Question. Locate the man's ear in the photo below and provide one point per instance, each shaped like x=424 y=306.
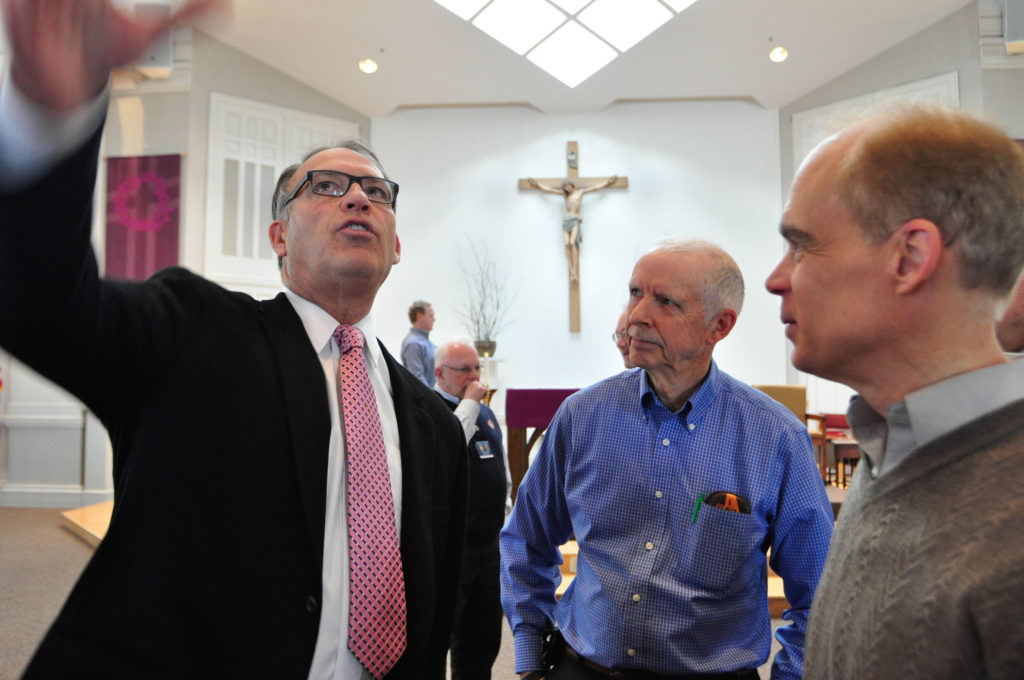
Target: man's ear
x=722 y=325
x=398 y=250
x=918 y=248
x=277 y=233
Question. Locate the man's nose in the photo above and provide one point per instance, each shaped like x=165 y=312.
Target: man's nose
x=638 y=313
x=355 y=198
x=777 y=282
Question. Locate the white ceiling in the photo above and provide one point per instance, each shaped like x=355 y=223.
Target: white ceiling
x=430 y=57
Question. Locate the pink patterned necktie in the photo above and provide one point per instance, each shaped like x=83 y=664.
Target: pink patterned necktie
x=376 y=618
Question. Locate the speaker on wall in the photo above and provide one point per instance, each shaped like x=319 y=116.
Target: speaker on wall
x=157 y=60
x=1013 y=26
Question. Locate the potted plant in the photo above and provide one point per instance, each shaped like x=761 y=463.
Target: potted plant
x=487 y=301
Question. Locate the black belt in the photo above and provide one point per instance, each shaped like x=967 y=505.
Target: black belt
x=629 y=674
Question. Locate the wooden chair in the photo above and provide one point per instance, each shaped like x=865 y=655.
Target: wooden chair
x=842 y=448
x=794 y=397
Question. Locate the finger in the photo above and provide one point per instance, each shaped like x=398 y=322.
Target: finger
x=194 y=9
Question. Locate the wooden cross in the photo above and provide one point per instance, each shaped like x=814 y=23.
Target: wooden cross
x=572 y=187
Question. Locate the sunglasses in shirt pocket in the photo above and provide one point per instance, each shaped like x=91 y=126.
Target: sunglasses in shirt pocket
x=724 y=500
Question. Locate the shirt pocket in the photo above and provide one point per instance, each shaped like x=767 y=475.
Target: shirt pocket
x=727 y=557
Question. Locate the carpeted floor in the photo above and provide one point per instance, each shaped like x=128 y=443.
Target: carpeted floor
x=39 y=563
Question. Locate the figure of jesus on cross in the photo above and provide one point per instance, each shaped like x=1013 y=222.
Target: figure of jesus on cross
x=572 y=220
x=572 y=188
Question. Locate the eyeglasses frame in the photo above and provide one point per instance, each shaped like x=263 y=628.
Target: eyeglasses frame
x=352 y=179
x=463 y=369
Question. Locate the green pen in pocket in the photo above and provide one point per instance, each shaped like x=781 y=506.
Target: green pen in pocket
x=696 y=508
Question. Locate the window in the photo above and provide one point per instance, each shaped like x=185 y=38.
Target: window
x=250 y=144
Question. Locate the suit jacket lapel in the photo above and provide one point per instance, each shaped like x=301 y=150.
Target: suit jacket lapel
x=417 y=437
x=306 y=411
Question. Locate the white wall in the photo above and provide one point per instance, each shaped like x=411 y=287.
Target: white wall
x=700 y=169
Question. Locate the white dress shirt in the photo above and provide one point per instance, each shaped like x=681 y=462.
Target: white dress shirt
x=332 y=659
x=33 y=139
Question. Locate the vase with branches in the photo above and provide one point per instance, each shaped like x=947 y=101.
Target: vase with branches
x=485 y=307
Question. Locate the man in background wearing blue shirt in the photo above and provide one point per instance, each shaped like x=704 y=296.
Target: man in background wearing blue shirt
x=417 y=349
x=675 y=480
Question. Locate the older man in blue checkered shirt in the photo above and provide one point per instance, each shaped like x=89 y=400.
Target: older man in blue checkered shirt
x=675 y=479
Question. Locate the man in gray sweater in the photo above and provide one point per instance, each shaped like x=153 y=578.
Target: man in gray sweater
x=905 y=235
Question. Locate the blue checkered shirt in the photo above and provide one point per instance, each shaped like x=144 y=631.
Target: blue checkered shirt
x=664 y=584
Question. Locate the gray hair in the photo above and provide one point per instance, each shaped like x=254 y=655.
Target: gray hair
x=948 y=167
x=278 y=210
x=723 y=287
x=442 y=351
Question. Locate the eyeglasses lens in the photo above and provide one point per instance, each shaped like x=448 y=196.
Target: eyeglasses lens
x=332 y=183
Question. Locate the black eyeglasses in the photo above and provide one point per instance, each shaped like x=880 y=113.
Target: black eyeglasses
x=336 y=183
x=462 y=369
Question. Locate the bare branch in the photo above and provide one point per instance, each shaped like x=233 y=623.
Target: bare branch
x=485 y=309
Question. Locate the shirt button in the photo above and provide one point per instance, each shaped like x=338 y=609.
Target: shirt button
x=691 y=426
x=658 y=494
x=631 y=652
x=636 y=597
x=311 y=604
x=664 y=442
x=649 y=545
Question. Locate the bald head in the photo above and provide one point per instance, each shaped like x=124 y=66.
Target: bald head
x=945 y=166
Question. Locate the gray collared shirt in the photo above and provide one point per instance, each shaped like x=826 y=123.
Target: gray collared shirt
x=929 y=413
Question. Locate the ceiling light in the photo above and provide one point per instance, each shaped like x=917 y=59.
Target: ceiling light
x=554 y=34
x=367 y=66
x=571 y=6
x=464 y=9
x=519 y=24
x=778 y=54
x=572 y=54
x=624 y=23
x=677 y=5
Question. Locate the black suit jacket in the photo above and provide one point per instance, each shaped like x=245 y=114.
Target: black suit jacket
x=217 y=410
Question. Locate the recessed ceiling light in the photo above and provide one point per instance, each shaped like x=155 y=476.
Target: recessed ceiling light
x=778 y=54
x=624 y=23
x=367 y=66
x=572 y=54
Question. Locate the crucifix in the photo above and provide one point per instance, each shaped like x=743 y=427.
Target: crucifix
x=572 y=187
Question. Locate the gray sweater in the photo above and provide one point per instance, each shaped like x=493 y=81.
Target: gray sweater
x=925 y=574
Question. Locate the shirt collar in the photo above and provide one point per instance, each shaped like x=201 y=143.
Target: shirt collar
x=450 y=397
x=699 y=402
x=419 y=331
x=320 y=327
x=931 y=412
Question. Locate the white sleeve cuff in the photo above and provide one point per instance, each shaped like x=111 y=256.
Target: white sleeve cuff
x=33 y=139
x=467 y=412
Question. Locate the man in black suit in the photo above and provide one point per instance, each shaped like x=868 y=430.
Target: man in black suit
x=476 y=637
x=227 y=552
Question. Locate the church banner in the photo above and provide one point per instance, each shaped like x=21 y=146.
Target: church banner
x=143 y=194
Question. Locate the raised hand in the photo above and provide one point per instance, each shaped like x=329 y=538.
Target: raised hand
x=476 y=391
x=62 y=51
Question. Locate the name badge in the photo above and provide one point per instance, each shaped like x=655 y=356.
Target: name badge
x=483 y=449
